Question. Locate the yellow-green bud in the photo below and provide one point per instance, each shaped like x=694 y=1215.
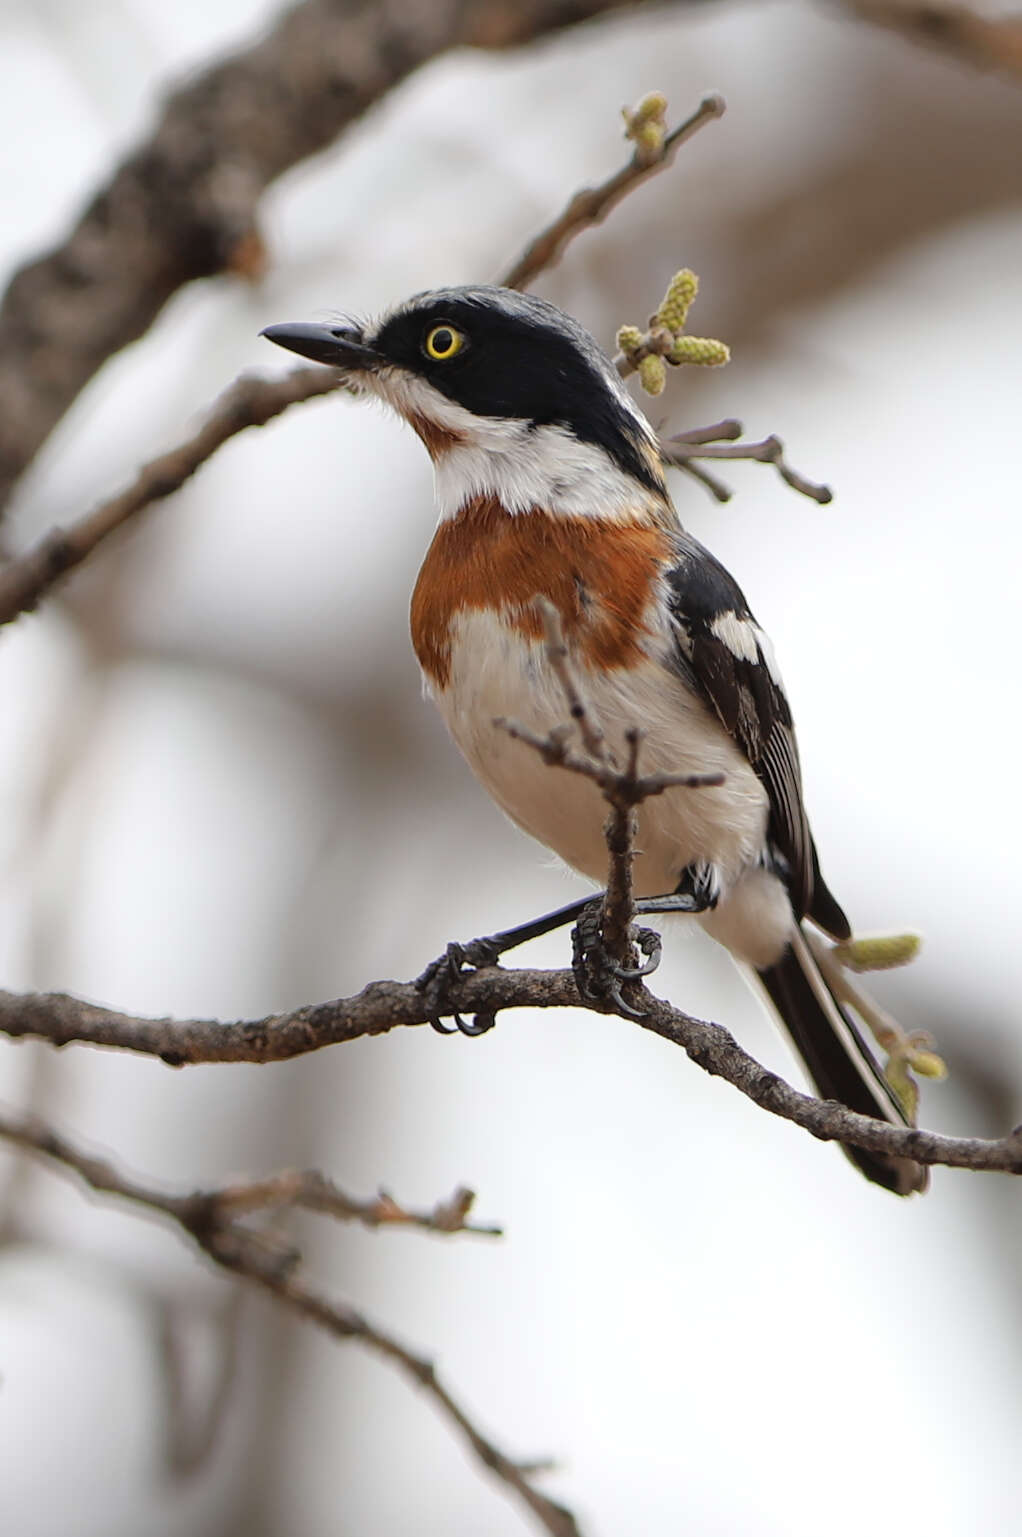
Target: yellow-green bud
x=699 y=349
x=649 y=138
x=646 y=125
x=882 y=952
x=927 y=1064
x=652 y=105
x=677 y=301
x=629 y=339
x=652 y=374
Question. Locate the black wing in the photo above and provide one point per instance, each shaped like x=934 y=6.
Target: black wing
x=728 y=659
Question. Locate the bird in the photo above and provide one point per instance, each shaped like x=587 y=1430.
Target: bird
x=550 y=484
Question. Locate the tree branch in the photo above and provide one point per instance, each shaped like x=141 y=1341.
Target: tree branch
x=985 y=42
x=249 y=402
x=211 y=1220
x=184 y=204
x=384 y=1006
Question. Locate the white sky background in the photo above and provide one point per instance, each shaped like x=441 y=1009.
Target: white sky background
x=222 y=794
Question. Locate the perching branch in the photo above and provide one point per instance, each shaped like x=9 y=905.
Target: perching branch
x=212 y=1220
x=384 y=1006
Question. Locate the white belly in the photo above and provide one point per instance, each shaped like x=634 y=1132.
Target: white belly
x=497 y=672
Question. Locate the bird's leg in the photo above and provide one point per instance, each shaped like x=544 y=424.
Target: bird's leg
x=597 y=974
x=694 y=894
x=486 y=951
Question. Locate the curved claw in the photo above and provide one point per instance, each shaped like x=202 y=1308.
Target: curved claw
x=598 y=977
x=613 y=992
x=479 y=1026
x=437 y=1024
x=651 y=946
x=449 y=968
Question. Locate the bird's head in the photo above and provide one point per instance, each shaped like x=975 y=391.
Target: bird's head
x=512 y=398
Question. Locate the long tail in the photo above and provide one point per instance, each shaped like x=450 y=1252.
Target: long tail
x=838 y=1060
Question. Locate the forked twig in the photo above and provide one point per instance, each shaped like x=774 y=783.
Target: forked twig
x=212 y=1220
x=684 y=450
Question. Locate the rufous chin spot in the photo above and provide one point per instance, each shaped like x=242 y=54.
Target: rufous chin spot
x=438 y=440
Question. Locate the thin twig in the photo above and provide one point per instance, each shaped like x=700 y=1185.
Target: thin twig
x=250 y=401
x=579 y=708
x=716 y=432
x=623 y=790
x=618 y=901
x=554 y=750
x=211 y=1220
x=313 y=1191
x=681 y=449
x=717 y=489
x=591 y=205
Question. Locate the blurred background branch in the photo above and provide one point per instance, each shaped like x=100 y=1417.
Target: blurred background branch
x=212 y=1220
x=963 y=31
x=248 y=402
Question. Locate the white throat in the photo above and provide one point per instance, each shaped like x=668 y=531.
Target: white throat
x=520 y=465
x=523 y=467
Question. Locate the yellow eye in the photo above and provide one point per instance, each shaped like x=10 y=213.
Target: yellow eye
x=443 y=342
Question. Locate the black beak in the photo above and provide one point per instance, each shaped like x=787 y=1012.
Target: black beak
x=339 y=346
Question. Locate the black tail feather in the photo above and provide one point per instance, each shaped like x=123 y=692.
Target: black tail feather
x=837 y=1059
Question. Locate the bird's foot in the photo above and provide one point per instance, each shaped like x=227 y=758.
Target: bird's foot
x=598 y=976
x=456 y=961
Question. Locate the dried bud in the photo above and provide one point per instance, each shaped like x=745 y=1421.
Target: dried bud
x=699 y=349
x=652 y=374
